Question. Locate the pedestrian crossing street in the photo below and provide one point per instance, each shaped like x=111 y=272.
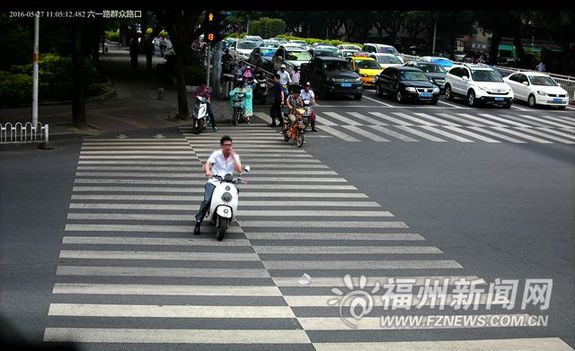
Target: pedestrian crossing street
x=131 y=275
x=440 y=127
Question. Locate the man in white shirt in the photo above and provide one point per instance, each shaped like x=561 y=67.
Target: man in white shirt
x=285 y=79
x=220 y=162
x=307 y=94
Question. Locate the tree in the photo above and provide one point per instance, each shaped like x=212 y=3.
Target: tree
x=183 y=30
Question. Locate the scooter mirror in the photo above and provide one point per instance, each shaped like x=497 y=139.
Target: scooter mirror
x=247 y=168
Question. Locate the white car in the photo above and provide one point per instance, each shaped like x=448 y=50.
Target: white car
x=478 y=84
x=349 y=47
x=290 y=56
x=537 y=89
x=241 y=50
x=381 y=49
x=386 y=60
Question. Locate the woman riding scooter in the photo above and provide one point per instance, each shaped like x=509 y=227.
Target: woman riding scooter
x=242 y=88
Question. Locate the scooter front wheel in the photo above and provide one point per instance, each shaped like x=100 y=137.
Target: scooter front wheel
x=300 y=140
x=222 y=228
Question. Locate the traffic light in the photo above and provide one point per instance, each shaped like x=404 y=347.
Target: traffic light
x=213 y=26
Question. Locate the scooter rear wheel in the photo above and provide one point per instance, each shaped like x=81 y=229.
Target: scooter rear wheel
x=300 y=140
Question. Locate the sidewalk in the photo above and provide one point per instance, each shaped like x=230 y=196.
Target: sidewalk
x=135 y=106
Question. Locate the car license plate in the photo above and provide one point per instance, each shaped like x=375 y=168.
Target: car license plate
x=556 y=101
x=499 y=99
x=346 y=85
x=425 y=95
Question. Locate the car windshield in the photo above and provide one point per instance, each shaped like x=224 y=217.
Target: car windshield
x=337 y=66
x=368 y=64
x=388 y=59
x=297 y=56
x=247 y=45
x=385 y=50
x=484 y=75
x=431 y=68
x=324 y=53
x=412 y=76
x=542 y=80
x=268 y=52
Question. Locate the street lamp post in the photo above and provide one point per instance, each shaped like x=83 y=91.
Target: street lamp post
x=35 y=71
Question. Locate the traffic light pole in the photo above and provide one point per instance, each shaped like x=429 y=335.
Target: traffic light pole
x=217 y=68
x=208 y=65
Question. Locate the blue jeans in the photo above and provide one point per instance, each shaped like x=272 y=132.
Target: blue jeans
x=205 y=205
x=211 y=115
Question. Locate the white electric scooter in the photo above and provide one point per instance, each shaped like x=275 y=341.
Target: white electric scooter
x=224 y=204
x=199 y=114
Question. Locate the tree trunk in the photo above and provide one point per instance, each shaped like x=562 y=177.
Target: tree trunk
x=494 y=49
x=183 y=111
x=78 y=97
x=520 y=52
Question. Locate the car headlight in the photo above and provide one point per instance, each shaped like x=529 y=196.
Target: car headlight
x=435 y=90
x=411 y=89
x=358 y=79
x=227 y=197
x=539 y=92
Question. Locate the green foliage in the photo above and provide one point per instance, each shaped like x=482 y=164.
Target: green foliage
x=112 y=35
x=15 y=41
x=316 y=40
x=55 y=81
x=267 y=27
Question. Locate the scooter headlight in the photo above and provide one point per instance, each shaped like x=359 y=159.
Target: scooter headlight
x=227 y=197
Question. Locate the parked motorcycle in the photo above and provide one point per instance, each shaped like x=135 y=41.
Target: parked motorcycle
x=238 y=107
x=293 y=127
x=224 y=205
x=199 y=114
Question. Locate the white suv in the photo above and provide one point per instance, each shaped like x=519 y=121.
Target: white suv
x=479 y=84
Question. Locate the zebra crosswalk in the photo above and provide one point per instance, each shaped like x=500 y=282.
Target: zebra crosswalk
x=132 y=276
x=441 y=127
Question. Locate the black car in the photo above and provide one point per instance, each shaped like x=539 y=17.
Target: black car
x=406 y=83
x=332 y=76
x=321 y=52
x=433 y=71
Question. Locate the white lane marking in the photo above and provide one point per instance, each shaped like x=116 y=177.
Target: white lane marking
x=415 y=119
x=464 y=121
x=136 y=168
x=392 y=119
x=514 y=106
x=343 y=119
x=393 y=134
x=437 y=120
x=199 y=181
x=553 y=131
x=521 y=135
x=138 y=147
x=449 y=104
x=365 y=133
x=264 y=116
x=138 y=197
x=339 y=281
x=191 y=190
x=157 y=255
x=324 y=121
x=338 y=134
x=174 y=272
x=378 y=101
x=178 y=336
x=335 y=236
x=128 y=240
x=482 y=121
x=536 y=123
x=164 y=290
x=364 y=264
x=503 y=120
x=137 y=152
x=324 y=224
x=566 y=123
x=366 y=119
x=497 y=135
x=136 y=228
x=421 y=134
x=168 y=311
x=543 y=122
x=471 y=134
x=524 y=344
x=352 y=250
x=316 y=213
x=446 y=134
x=138 y=157
x=546 y=135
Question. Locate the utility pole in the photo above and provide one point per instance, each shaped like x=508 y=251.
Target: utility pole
x=208 y=68
x=217 y=68
x=35 y=57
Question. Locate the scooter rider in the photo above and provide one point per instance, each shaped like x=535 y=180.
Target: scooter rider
x=285 y=78
x=294 y=101
x=308 y=94
x=220 y=162
x=204 y=92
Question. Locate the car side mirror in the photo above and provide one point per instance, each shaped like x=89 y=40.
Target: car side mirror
x=465 y=78
x=247 y=168
x=525 y=83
